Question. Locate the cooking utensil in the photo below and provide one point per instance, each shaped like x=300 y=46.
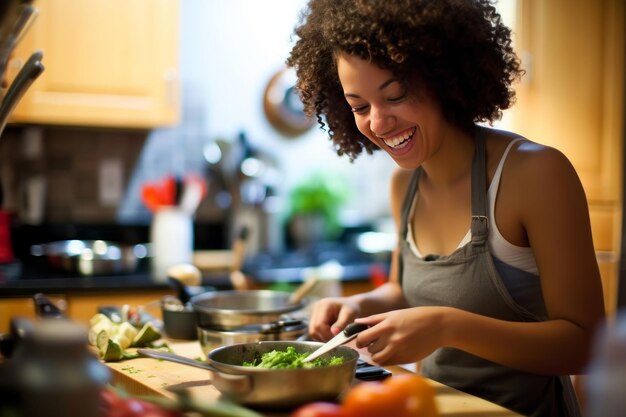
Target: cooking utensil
x=26 y=14
x=193 y=191
x=237 y=278
x=288 y=329
x=183 y=277
x=304 y=289
x=46 y=308
x=276 y=388
x=227 y=310
x=23 y=80
x=340 y=338
x=90 y=257
x=179 y=322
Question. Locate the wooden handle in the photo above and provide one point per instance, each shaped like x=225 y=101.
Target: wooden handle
x=303 y=290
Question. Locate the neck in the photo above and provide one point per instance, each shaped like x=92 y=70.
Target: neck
x=452 y=163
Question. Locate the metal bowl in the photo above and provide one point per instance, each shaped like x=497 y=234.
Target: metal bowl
x=228 y=310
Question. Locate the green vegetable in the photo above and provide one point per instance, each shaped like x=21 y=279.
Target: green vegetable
x=289 y=358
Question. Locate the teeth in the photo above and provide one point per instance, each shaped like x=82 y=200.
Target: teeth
x=399 y=140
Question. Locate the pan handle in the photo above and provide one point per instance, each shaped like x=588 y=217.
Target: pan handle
x=172 y=357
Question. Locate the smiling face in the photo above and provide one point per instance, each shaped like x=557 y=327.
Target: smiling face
x=406 y=125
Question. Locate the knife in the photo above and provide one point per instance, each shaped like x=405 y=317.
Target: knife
x=340 y=338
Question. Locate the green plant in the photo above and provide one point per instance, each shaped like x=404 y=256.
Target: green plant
x=321 y=195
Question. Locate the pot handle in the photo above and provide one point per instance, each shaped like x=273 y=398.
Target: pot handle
x=172 y=357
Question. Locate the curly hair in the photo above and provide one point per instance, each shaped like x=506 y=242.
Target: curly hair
x=459 y=49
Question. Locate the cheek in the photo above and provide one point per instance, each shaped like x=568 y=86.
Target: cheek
x=364 y=128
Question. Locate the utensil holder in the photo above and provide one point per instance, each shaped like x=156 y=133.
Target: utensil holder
x=171 y=237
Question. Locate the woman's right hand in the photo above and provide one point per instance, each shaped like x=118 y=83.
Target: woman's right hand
x=331 y=315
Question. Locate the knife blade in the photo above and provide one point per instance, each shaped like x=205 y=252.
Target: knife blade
x=347 y=334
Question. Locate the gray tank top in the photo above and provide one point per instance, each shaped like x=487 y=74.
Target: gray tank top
x=468 y=279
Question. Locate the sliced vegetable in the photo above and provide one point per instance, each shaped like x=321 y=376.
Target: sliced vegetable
x=102 y=340
x=113 y=338
x=114 y=352
x=148 y=334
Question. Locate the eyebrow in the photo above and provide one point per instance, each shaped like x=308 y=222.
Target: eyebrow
x=380 y=88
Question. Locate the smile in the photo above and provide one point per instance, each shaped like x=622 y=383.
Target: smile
x=400 y=140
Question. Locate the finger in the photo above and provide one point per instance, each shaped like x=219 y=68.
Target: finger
x=372 y=320
x=345 y=317
x=319 y=323
x=382 y=357
x=369 y=336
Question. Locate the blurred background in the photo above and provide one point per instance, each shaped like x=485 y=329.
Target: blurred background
x=140 y=93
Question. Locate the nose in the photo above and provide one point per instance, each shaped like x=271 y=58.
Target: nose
x=381 y=121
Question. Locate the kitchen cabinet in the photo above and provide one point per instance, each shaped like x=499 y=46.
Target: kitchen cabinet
x=82 y=306
x=572 y=98
x=110 y=63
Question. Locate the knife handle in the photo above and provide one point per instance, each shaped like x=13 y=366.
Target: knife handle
x=354 y=328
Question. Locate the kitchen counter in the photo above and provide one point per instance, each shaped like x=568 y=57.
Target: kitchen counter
x=145 y=376
x=33 y=276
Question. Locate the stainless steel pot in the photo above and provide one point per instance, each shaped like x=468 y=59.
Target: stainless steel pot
x=227 y=310
x=91 y=257
x=210 y=339
x=272 y=388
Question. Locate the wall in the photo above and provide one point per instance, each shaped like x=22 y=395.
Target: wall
x=228 y=52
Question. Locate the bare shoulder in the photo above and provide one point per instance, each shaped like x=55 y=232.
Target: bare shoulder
x=538 y=176
x=533 y=163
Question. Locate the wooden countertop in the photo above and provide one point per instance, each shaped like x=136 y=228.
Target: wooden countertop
x=146 y=376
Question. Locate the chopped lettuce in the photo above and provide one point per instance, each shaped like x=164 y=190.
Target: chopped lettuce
x=289 y=358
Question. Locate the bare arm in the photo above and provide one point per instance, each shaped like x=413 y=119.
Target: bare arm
x=330 y=315
x=553 y=211
x=547 y=203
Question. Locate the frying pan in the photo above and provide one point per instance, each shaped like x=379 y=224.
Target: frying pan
x=271 y=388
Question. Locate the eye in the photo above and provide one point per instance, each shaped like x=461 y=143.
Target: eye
x=397 y=99
x=359 y=109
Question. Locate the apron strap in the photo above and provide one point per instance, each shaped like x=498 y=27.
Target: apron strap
x=480 y=222
x=406 y=208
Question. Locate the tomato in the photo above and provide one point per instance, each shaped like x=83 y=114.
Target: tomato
x=318 y=409
x=398 y=396
x=419 y=394
x=116 y=406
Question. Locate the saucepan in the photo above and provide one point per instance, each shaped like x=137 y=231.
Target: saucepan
x=228 y=310
x=271 y=388
x=287 y=329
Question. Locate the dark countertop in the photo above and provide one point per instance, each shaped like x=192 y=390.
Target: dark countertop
x=30 y=275
x=27 y=278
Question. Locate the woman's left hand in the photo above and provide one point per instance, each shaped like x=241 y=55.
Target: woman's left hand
x=420 y=328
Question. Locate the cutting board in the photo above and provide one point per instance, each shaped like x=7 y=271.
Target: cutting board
x=146 y=376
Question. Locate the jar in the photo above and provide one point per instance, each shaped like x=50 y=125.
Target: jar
x=52 y=373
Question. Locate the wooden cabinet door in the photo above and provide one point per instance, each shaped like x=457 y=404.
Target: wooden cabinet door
x=572 y=98
x=107 y=63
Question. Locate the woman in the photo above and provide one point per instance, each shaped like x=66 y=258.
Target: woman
x=494 y=286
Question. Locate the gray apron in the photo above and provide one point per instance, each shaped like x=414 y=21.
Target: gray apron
x=467 y=279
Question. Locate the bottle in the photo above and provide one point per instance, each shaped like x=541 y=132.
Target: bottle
x=52 y=373
x=606 y=379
